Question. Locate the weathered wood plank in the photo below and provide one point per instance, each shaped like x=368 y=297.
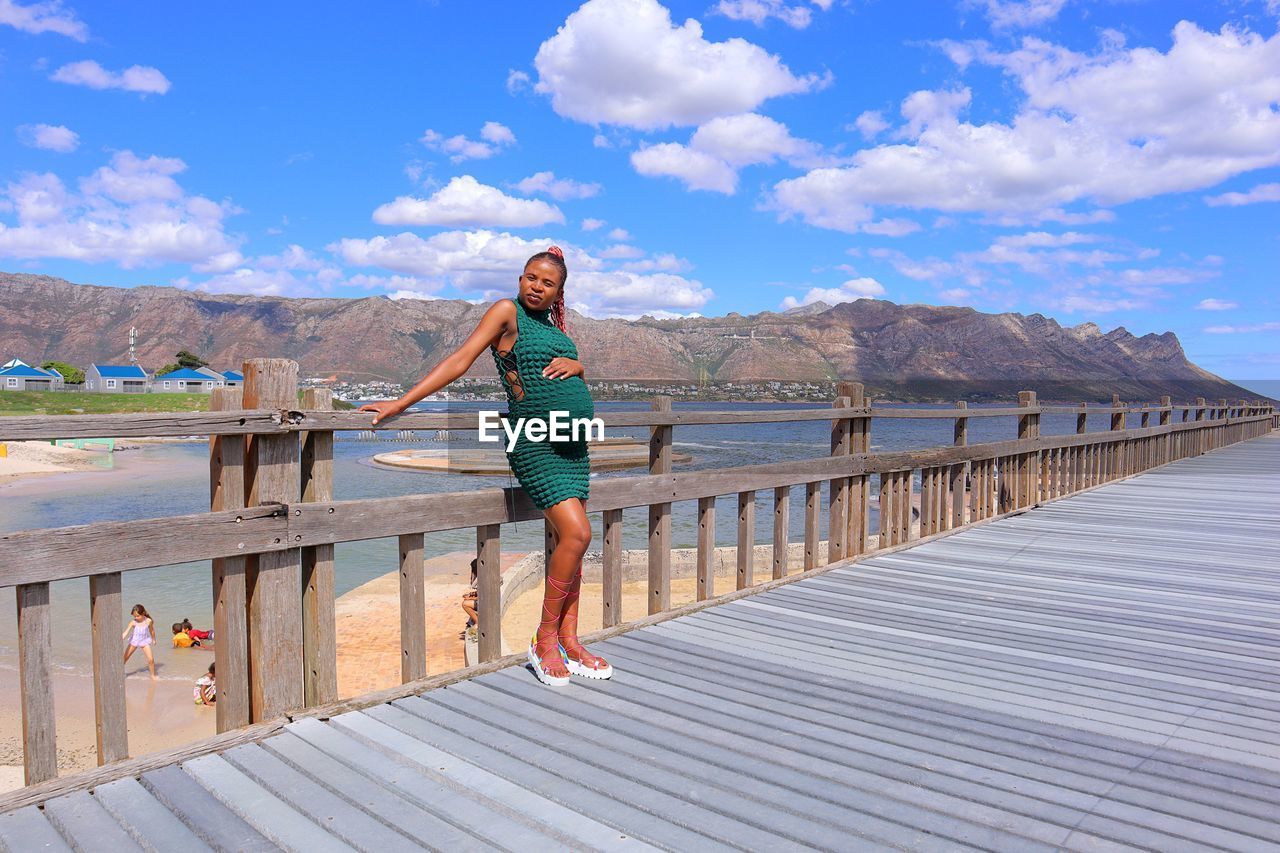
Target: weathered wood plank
x=812 y=508
x=413 y=608
x=35 y=681
x=781 y=511
x=838 y=487
x=230 y=581
x=110 y=727
x=859 y=485
x=706 y=548
x=273 y=585
x=46 y=427
x=746 y=550
x=39 y=556
x=611 y=560
x=319 y=628
x=660 y=514
x=489 y=591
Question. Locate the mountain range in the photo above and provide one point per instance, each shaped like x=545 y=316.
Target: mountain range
x=906 y=352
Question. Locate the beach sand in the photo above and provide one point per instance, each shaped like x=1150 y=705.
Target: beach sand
x=161 y=716
x=368 y=624
x=34 y=458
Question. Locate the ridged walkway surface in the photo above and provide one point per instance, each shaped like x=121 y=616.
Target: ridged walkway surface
x=1100 y=673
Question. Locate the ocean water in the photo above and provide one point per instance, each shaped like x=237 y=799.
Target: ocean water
x=172 y=479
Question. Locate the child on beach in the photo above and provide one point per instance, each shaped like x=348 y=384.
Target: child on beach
x=206 y=689
x=196 y=633
x=469 y=602
x=144 y=637
x=181 y=639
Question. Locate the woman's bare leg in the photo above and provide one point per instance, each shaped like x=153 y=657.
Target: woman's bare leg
x=573 y=522
x=572 y=540
x=129 y=652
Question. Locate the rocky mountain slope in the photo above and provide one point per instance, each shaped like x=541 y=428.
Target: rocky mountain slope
x=916 y=352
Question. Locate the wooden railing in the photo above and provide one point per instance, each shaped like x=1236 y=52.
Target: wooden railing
x=273 y=523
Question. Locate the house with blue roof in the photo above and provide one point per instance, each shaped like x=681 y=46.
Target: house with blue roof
x=117 y=379
x=185 y=379
x=17 y=375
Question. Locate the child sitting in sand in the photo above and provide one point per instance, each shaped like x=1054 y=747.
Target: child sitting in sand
x=206 y=689
x=181 y=639
x=469 y=602
x=196 y=633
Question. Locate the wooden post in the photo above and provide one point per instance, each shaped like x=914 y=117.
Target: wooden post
x=489 y=592
x=230 y=610
x=274 y=583
x=781 y=511
x=706 y=547
x=746 y=550
x=111 y=728
x=1028 y=461
x=860 y=484
x=812 y=508
x=319 y=629
x=1114 y=455
x=959 y=474
x=413 y=608
x=35 y=678
x=660 y=515
x=611 y=558
x=838 y=488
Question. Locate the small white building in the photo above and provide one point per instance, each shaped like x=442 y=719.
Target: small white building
x=17 y=375
x=188 y=380
x=117 y=379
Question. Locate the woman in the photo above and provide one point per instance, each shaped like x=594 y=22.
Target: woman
x=539 y=368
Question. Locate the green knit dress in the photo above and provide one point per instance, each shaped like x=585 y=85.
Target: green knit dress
x=549 y=471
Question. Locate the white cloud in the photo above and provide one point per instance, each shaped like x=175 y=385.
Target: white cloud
x=870 y=124
x=620 y=235
x=486 y=260
x=44 y=17
x=1217 y=305
x=590 y=224
x=1019 y=14
x=132 y=212
x=757 y=12
x=621 y=251
x=1260 y=193
x=517 y=81
x=891 y=227
x=853 y=289
x=1096 y=304
x=624 y=62
x=722 y=146
x=957 y=295
x=465 y=201
x=136 y=78
x=1121 y=125
x=1244 y=330
x=558 y=188
x=49 y=137
x=493 y=138
x=698 y=170
x=601 y=141
x=412 y=294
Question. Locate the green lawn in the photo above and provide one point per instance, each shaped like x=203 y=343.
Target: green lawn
x=90 y=403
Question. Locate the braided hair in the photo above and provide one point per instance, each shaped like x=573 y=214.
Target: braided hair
x=556 y=257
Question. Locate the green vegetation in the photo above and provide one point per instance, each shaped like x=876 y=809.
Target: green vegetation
x=90 y=403
x=71 y=374
x=184 y=358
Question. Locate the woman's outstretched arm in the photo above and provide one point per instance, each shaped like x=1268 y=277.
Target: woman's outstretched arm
x=500 y=317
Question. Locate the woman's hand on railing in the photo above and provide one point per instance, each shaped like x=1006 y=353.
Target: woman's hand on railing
x=383 y=410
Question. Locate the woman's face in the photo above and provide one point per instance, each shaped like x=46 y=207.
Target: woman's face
x=540 y=284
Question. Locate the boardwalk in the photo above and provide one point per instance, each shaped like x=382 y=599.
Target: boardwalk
x=1099 y=673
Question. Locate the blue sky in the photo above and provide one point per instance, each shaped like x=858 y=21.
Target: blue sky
x=1109 y=162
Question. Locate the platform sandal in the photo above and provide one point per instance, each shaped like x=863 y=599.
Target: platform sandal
x=549 y=626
